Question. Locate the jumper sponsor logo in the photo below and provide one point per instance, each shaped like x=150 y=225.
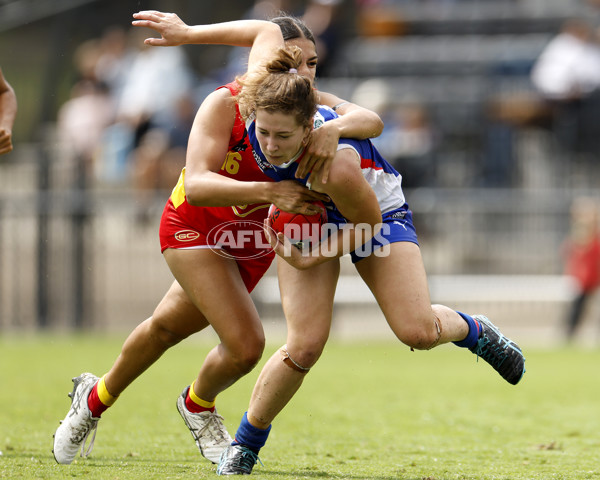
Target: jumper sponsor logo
x=262 y=164
x=186 y=235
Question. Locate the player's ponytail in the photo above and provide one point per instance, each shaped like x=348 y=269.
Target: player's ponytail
x=285 y=59
x=279 y=88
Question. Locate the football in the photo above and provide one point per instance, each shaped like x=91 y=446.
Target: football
x=301 y=229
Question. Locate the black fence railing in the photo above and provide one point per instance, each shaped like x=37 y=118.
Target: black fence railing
x=73 y=256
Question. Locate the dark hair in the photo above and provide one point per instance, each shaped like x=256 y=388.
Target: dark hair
x=276 y=89
x=292 y=27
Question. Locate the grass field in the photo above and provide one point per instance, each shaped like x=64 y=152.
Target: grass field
x=372 y=411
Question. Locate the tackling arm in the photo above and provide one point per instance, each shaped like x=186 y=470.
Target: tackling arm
x=207 y=150
x=354 y=122
x=356 y=201
x=262 y=35
x=174 y=31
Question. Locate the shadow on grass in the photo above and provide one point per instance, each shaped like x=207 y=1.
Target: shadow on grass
x=175 y=466
x=320 y=474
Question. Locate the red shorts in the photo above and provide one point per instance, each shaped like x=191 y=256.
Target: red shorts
x=218 y=229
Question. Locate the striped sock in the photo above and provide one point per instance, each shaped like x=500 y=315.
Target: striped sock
x=195 y=404
x=99 y=399
x=474 y=328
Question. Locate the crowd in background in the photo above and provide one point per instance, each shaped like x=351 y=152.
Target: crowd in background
x=132 y=105
x=130 y=111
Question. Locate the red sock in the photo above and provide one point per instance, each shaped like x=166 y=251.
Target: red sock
x=94 y=403
x=194 y=407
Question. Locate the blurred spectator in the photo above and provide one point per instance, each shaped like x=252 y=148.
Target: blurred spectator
x=380 y=18
x=113 y=60
x=569 y=66
x=155 y=78
x=582 y=259
x=130 y=113
x=322 y=17
x=8 y=112
x=506 y=114
x=90 y=109
x=266 y=9
x=567 y=75
x=85 y=59
x=146 y=98
x=566 y=78
x=82 y=119
x=237 y=57
x=407 y=140
x=157 y=161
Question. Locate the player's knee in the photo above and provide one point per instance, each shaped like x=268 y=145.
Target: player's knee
x=248 y=354
x=420 y=335
x=306 y=353
x=248 y=360
x=163 y=334
x=418 y=341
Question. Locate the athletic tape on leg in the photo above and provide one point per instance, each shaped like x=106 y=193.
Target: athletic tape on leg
x=289 y=361
x=438 y=325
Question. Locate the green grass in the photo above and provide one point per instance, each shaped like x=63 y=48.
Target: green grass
x=367 y=411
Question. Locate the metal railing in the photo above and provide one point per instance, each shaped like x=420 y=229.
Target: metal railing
x=78 y=257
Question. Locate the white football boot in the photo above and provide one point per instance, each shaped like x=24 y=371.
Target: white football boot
x=76 y=427
x=207 y=428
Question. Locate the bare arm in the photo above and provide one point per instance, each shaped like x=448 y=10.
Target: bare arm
x=209 y=137
x=207 y=151
x=175 y=31
x=357 y=202
x=354 y=122
x=241 y=33
x=8 y=113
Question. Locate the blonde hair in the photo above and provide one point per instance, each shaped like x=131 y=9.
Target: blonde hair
x=279 y=88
